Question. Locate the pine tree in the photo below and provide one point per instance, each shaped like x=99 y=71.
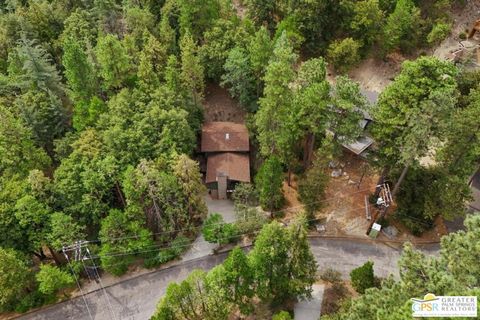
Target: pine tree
x=238 y=280
x=268 y=181
x=113 y=60
x=35 y=68
x=268 y=260
x=276 y=134
x=78 y=71
x=153 y=58
x=413 y=112
x=188 y=174
x=44 y=113
x=191 y=76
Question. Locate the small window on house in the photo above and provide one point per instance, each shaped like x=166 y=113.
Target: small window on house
x=227 y=136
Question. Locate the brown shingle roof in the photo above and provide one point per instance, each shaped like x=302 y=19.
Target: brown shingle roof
x=235 y=165
x=224 y=136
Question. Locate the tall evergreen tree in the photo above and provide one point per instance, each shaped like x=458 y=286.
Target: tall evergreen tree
x=78 y=71
x=45 y=115
x=274 y=136
x=268 y=182
x=192 y=74
x=113 y=60
x=153 y=58
x=413 y=112
x=31 y=67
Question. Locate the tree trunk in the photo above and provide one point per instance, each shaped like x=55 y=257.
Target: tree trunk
x=308 y=150
x=384 y=210
x=54 y=256
x=120 y=194
x=361 y=178
x=289 y=179
x=40 y=254
x=399 y=181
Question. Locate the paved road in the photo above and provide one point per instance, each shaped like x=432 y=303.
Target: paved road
x=136 y=298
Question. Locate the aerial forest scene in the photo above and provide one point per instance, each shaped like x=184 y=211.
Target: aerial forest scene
x=239 y=159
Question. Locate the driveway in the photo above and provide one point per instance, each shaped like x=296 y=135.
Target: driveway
x=224 y=207
x=311 y=309
x=200 y=247
x=137 y=298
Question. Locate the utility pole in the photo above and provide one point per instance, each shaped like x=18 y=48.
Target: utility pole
x=64 y=250
x=81 y=253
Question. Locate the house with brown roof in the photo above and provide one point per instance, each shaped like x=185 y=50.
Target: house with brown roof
x=226 y=146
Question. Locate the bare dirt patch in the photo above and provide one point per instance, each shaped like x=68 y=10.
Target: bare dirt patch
x=240 y=7
x=219 y=106
x=343 y=212
x=374 y=74
x=335 y=294
x=344 y=204
x=463 y=20
x=344 y=209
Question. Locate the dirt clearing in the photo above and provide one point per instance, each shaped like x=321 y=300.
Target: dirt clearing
x=219 y=106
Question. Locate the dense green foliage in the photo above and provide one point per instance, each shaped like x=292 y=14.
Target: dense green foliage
x=344 y=54
x=282 y=315
x=362 y=277
x=51 y=279
x=279 y=267
x=418 y=117
x=101 y=106
x=215 y=230
x=14 y=278
x=311 y=187
x=269 y=182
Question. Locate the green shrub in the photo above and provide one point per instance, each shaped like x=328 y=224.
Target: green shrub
x=439 y=32
x=463 y=35
x=215 y=230
x=282 y=315
x=33 y=300
x=344 y=54
x=175 y=249
x=249 y=219
x=362 y=277
x=164 y=256
x=245 y=195
x=179 y=245
x=51 y=279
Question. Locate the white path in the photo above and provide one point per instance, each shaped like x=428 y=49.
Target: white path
x=200 y=247
x=310 y=309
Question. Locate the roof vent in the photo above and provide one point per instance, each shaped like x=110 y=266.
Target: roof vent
x=227 y=136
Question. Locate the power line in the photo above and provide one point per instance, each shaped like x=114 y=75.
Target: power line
x=78 y=284
x=101 y=286
x=199 y=227
x=160 y=247
x=79 y=255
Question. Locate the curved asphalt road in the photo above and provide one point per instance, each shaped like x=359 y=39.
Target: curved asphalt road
x=136 y=298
